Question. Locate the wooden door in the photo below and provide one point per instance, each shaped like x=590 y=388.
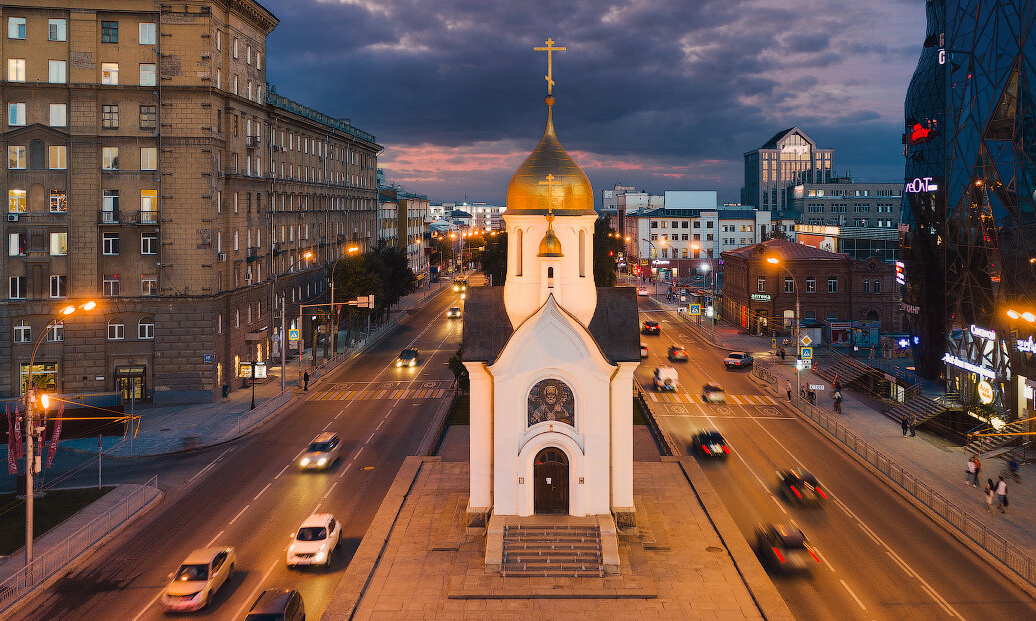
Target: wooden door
x=551 y=481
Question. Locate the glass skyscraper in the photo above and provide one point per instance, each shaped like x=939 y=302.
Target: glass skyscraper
x=969 y=226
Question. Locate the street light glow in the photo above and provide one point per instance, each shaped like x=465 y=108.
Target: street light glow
x=68 y=310
x=1028 y=316
x=307 y=255
x=773 y=260
x=89 y=305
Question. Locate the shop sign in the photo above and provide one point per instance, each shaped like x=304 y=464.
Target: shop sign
x=985 y=392
x=760 y=297
x=909 y=308
x=1028 y=346
x=919 y=133
x=983 y=333
x=967 y=366
x=920 y=185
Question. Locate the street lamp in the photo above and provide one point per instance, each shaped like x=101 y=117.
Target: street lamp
x=334 y=266
x=662 y=242
x=715 y=276
x=30 y=421
x=798 y=343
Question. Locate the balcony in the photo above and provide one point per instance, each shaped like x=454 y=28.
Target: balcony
x=105 y=216
x=144 y=218
x=253 y=254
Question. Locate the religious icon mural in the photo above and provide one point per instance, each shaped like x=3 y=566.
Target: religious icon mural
x=552 y=400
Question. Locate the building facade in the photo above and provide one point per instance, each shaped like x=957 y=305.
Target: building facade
x=151 y=168
x=789 y=158
x=969 y=218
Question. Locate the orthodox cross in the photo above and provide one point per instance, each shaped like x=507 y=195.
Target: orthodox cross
x=549 y=49
x=550 y=191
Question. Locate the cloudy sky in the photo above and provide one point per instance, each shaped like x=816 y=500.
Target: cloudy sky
x=661 y=94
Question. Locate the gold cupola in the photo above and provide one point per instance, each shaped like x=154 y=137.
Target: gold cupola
x=570 y=194
x=550 y=245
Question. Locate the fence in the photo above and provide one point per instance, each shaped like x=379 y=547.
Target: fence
x=1007 y=553
x=59 y=556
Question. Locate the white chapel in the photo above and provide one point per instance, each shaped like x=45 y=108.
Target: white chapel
x=551 y=357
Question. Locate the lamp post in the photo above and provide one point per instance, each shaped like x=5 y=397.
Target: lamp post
x=798 y=343
x=302 y=336
x=30 y=422
x=662 y=242
x=334 y=266
x=715 y=276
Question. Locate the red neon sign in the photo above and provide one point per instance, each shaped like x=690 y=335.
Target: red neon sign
x=918 y=133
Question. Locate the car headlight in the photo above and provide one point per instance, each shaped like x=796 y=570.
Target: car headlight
x=304 y=461
x=320 y=556
x=413 y=362
x=399 y=363
x=291 y=548
x=321 y=461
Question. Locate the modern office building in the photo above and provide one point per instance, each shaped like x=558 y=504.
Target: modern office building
x=788 y=159
x=151 y=169
x=968 y=209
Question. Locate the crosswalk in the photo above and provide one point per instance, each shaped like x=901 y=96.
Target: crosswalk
x=683 y=397
x=366 y=391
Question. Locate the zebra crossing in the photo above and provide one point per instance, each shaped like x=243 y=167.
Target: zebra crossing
x=683 y=397
x=367 y=391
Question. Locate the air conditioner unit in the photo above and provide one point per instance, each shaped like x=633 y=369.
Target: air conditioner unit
x=221 y=256
x=12 y=217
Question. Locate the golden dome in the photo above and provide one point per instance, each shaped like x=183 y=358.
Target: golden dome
x=570 y=193
x=550 y=245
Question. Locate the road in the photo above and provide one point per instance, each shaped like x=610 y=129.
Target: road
x=250 y=495
x=881 y=558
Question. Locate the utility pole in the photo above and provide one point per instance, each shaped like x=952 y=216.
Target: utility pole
x=284 y=347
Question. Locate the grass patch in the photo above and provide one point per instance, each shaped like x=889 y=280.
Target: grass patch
x=48 y=511
x=638 y=414
x=460 y=413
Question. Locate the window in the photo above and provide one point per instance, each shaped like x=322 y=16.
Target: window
x=877 y=286
x=16 y=69
x=110 y=243
x=149 y=243
x=58 y=115
x=235 y=47
x=58 y=201
x=16 y=201
x=258 y=60
x=866 y=286
x=16 y=244
x=110 y=117
x=110 y=158
x=16 y=114
x=16 y=287
x=148 y=284
x=248 y=55
x=811 y=284
x=147 y=34
x=116 y=330
x=789 y=284
x=110 y=73
x=58 y=244
x=146 y=329
x=16 y=157
x=111 y=286
x=810 y=315
x=234 y=87
x=15 y=27
x=23 y=332
x=148 y=117
x=832 y=285
x=149 y=158
x=110 y=205
x=760 y=284
x=219 y=40
x=58 y=157
x=147 y=74
x=109 y=32
x=831 y=314
x=56 y=333
x=57 y=286
x=56 y=30
x=57 y=72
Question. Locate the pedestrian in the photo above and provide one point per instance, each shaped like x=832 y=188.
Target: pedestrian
x=1001 y=494
x=838 y=401
x=990 y=489
x=978 y=470
x=906 y=424
x=1012 y=468
x=788 y=382
x=913 y=424
x=783 y=354
x=305 y=381
x=969 y=471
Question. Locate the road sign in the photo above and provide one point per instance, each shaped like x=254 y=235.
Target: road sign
x=806 y=340
x=807 y=353
x=293 y=334
x=694 y=309
x=773 y=342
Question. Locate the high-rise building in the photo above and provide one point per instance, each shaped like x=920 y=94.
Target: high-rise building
x=788 y=159
x=151 y=168
x=969 y=232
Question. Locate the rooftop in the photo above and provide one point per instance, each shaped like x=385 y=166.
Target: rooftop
x=342 y=125
x=784 y=250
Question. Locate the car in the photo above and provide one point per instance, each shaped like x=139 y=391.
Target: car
x=800 y=486
x=642 y=291
x=665 y=379
x=277 y=605
x=738 y=359
x=199 y=577
x=713 y=393
x=710 y=443
x=677 y=354
x=322 y=452
x=650 y=327
x=454 y=312
x=784 y=548
x=315 y=540
x=460 y=285
x=643 y=351
x=409 y=357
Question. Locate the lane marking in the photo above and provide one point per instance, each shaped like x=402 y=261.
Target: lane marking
x=369 y=438
x=380 y=424
x=823 y=558
x=148 y=605
x=330 y=489
x=854 y=595
x=282 y=471
x=208 y=467
x=213 y=540
x=240 y=513
x=251 y=596
x=256 y=497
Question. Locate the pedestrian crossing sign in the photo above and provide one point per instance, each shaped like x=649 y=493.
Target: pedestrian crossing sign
x=293 y=334
x=807 y=353
x=694 y=309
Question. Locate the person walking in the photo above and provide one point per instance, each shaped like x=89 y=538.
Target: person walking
x=905 y=422
x=913 y=424
x=1001 y=495
x=838 y=401
x=978 y=471
x=788 y=382
x=990 y=489
x=969 y=471
x=305 y=381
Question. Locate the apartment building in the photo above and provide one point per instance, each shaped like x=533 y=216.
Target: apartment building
x=152 y=169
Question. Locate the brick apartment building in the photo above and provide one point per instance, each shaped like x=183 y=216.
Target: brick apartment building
x=758 y=295
x=152 y=169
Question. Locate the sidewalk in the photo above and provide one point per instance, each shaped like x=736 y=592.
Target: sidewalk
x=933 y=460
x=169 y=428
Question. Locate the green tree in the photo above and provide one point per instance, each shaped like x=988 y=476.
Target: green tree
x=460 y=372
x=493 y=260
x=774 y=232
x=607 y=246
x=396 y=277
x=356 y=276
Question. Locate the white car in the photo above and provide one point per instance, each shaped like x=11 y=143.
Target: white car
x=315 y=540
x=454 y=312
x=665 y=379
x=322 y=452
x=642 y=290
x=200 y=575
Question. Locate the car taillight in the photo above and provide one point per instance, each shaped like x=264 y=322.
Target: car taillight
x=796 y=491
x=706 y=449
x=726 y=449
x=821 y=492
x=813 y=554
x=780 y=557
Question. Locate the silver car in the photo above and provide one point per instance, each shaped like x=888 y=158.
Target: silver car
x=322 y=452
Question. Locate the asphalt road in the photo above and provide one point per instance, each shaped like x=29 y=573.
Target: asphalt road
x=249 y=493
x=881 y=558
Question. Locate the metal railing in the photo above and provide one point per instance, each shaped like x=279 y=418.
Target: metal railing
x=59 y=556
x=963 y=522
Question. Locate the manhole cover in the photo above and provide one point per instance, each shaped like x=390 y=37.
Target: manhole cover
x=714 y=549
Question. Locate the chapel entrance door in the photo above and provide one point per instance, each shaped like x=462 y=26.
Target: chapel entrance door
x=550 y=471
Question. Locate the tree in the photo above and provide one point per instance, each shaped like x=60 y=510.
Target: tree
x=607 y=246
x=493 y=259
x=356 y=276
x=395 y=275
x=776 y=232
x=460 y=372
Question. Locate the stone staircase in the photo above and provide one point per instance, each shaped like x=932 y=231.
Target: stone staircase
x=922 y=408
x=992 y=443
x=552 y=551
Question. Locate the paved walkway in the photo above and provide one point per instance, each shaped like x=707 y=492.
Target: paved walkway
x=932 y=459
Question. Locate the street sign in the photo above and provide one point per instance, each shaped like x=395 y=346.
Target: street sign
x=694 y=309
x=293 y=334
x=806 y=340
x=773 y=342
x=807 y=353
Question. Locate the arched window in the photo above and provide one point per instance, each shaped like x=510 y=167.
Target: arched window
x=146 y=329
x=518 y=250
x=582 y=254
x=116 y=329
x=550 y=276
